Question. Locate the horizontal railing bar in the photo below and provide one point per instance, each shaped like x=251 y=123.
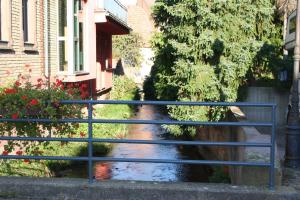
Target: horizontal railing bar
x=117 y=121
x=172 y=122
x=126 y=141
x=174 y=103
x=45 y=139
x=199 y=162
x=62 y=158
x=171 y=142
x=140 y=160
x=45 y=120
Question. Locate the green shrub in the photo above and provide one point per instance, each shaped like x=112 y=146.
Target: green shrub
x=124 y=88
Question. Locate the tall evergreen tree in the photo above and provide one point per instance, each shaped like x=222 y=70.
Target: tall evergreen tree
x=205 y=48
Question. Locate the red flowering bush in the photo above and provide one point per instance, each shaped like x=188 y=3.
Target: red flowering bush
x=27 y=100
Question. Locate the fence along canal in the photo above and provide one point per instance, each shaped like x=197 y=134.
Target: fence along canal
x=90 y=140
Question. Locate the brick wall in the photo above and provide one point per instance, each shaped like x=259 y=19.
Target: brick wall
x=13 y=62
x=292 y=5
x=53 y=29
x=289 y=5
x=140 y=20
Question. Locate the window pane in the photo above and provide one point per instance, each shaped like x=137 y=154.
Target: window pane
x=76 y=8
x=31 y=21
x=62 y=14
x=80 y=46
x=5 y=20
x=63 y=59
x=76 y=52
x=62 y=23
x=292 y=27
x=75 y=27
x=25 y=19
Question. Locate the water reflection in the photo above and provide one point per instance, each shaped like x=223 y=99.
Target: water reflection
x=102 y=171
x=150 y=171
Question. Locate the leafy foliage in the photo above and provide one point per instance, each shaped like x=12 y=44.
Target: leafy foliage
x=206 y=48
x=127 y=47
x=24 y=100
x=124 y=89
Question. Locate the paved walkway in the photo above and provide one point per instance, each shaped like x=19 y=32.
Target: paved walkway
x=50 y=189
x=280 y=140
x=291 y=178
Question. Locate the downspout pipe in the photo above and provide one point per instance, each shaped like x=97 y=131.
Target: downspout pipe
x=47 y=71
x=292 y=158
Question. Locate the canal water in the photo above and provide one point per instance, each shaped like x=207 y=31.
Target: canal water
x=149 y=171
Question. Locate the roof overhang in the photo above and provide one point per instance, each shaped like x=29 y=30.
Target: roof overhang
x=110 y=23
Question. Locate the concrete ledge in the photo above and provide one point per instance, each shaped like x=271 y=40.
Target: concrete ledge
x=43 y=188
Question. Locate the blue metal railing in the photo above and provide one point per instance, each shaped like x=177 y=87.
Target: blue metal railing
x=90 y=140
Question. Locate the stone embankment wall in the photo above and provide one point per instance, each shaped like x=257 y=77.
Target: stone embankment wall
x=239 y=175
x=267 y=95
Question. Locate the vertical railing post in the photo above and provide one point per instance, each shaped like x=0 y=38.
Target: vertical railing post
x=90 y=143
x=273 y=149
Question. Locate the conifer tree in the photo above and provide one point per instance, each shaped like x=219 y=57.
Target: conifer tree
x=205 y=48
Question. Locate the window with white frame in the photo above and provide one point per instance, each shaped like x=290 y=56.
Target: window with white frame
x=5 y=22
x=70 y=36
x=290 y=31
x=29 y=22
x=62 y=35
